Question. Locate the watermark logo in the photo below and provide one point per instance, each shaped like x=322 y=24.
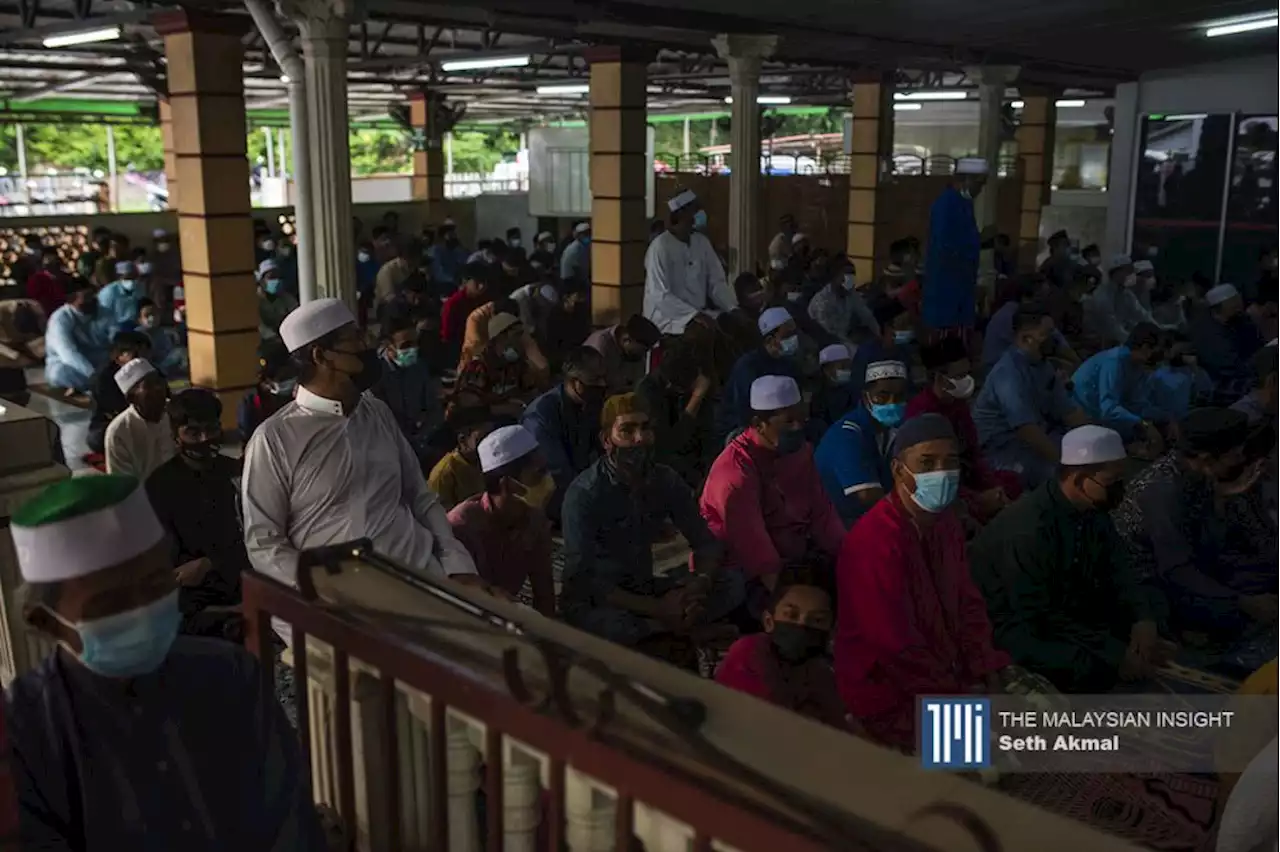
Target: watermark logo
x=955 y=733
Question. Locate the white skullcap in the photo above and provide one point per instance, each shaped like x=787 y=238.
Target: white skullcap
x=1119 y=261
x=682 y=199
x=549 y=293
x=798 y=238
x=312 y=321
x=1144 y=266
x=131 y=373
x=1092 y=445
x=499 y=323
x=772 y=319
x=124 y=267
x=542 y=235
x=581 y=228
x=505 y=445
x=771 y=393
x=266 y=266
x=1220 y=294
x=448 y=223
x=81 y=525
x=972 y=166
x=159 y=234
x=834 y=352
x=885 y=370
x=477 y=255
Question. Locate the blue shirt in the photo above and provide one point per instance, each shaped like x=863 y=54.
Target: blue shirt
x=998 y=336
x=575 y=262
x=446 y=265
x=568 y=435
x=192 y=756
x=119 y=305
x=1019 y=393
x=1175 y=389
x=734 y=411
x=72 y=340
x=1112 y=389
x=366 y=276
x=852 y=457
x=951 y=262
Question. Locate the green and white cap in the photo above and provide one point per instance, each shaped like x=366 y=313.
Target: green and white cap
x=81 y=525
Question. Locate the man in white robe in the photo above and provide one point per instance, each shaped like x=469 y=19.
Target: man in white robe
x=682 y=274
x=332 y=465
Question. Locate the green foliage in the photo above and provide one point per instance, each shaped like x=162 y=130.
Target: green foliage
x=668 y=136
x=373 y=151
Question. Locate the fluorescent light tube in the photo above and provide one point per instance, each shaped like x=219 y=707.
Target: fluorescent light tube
x=565 y=89
x=931 y=96
x=83 y=37
x=491 y=62
x=1242 y=27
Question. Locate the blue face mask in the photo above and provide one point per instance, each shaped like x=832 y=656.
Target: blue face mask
x=129 y=644
x=406 y=357
x=284 y=387
x=904 y=336
x=700 y=220
x=271 y=286
x=889 y=413
x=126 y=284
x=790 y=442
x=585 y=239
x=936 y=489
x=790 y=345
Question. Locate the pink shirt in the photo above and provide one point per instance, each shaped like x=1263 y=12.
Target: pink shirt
x=507 y=551
x=768 y=510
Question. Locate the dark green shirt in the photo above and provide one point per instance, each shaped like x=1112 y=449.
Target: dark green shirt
x=1060 y=591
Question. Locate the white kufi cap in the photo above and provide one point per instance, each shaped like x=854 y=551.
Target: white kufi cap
x=1092 y=445
x=124 y=267
x=505 y=445
x=834 y=352
x=682 y=199
x=1119 y=261
x=771 y=319
x=581 y=228
x=1142 y=266
x=312 y=321
x=131 y=373
x=796 y=239
x=885 y=370
x=267 y=265
x=771 y=393
x=1220 y=294
x=972 y=166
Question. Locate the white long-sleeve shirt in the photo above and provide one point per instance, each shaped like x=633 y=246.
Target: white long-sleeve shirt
x=680 y=278
x=135 y=446
x=1111 y=311
x=314 y=477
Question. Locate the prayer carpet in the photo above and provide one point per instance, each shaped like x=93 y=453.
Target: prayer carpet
x=78 y=400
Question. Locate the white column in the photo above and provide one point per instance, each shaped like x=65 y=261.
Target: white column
x=324 y=25
x=464 y=780
x=744 y=54
x=992 y=80
x=113 y=201
x=271 y=153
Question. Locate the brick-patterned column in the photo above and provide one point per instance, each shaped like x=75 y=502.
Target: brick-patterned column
x=170 y=159
x=619 y=227
x=1035 y=137
x=433 y=118
x=871 y=139
x=206 y=101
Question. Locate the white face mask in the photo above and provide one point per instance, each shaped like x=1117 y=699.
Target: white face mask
x=363 y=256
x=850 y=281
x=961 y=388
x=268 y=245
x=794 y=296
x=1130 y=280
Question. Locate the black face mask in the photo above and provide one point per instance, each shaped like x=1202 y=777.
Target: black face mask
x=201 y=453
x=1115 y=496
x=796 y=643
x=790 y=442
x=634 y=462
x=592 y=396
x=89 y=307
x=370 y=368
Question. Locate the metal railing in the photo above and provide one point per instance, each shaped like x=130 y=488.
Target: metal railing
x=420 y=716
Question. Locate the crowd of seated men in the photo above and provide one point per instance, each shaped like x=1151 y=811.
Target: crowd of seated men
x=866 y=517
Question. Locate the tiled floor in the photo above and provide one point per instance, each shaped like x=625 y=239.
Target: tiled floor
x=73 y=423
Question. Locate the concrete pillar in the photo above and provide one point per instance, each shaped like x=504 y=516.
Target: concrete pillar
x=871 y=137
x=744 y=54
x=1035 y=137
x=324 y=26
x=431 y=116
x=992 y=80
x=215 y=231
x=1122 y=170
x=619 y=226
x=170 y=159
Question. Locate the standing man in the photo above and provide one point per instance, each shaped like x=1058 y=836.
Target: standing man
x=682 y=273
x=575 y=260
x=332 y=465
x=951 y=265
x=129 y=736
